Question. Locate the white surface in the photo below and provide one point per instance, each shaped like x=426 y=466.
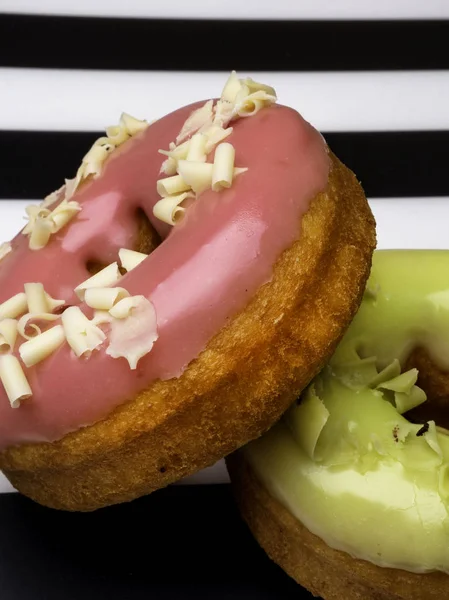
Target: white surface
x=236 y=9
x=49 y=99
x=401 y=223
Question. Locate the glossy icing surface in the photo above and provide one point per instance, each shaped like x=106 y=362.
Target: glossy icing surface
x=205 y=271
x=371 y=483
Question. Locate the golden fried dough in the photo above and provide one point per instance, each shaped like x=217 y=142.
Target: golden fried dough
x=330 y=574
x=243 y=381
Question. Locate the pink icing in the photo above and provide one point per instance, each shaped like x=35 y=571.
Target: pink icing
x=207 y=269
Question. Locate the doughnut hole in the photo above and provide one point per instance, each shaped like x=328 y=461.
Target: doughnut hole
x=435 y=382
x=146 y=240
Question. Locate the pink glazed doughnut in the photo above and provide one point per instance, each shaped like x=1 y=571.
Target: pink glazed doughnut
x=250 y=291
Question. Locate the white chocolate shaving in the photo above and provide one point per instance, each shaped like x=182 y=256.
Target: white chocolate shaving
x=40 y=234
x=14 y=307
x=100 y=317
x=132 y=125
x=104 y=278
x=36 y=299
x=5 y=249
x=130 y=259
x=14 y=381
x=53 y=303
x=27 y=327
x=197 y=174
x=256 y=86
x=196 y=120
x=62 y=214
x=82 y=335
x=169 y=166
x=55 y=196
x=197 y=148
x=177 y=152
x=134 y=329
x=117 y=134
x=94 y=159
x=37 y=349
x=34 y=212
x=104 y=298
x=231 y=88
x=171 y=186
x=216 y=134
x=224 y=112
x=248 y=106
x=223 y=168
x=8 y=335
x=169 y=210
x=42 y=223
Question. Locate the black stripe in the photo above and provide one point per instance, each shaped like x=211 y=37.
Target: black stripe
x=204 y=45
x=32 y=164
x=195 y=546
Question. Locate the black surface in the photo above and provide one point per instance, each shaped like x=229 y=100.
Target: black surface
x=158 y=44
x=179 y=543
x=388 y=164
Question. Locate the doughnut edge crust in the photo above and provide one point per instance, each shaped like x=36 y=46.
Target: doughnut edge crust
x=325 y=572
x=243 y=381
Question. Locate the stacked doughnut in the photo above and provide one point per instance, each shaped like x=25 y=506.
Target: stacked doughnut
x=168 y=304
x=349 y=492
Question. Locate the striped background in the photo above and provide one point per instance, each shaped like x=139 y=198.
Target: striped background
x=373 y=77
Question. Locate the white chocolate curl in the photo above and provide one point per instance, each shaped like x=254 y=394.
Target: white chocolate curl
x=130 y=259
x=40 y=347
x=36 y=299
x=82 y=335
x=5 y=249
x=104 y=278
x=14 y=381
x=8 y=335
x=231 y=88
x=197 y=148
x=27 y=327
x=133 y=329
x=223 y=169
x=14 y=307
x=196 y=120
x=197 y=174
x=104 y=298
x=214 y=135
x=171 y=186
x=42 y=223
x=132 y=125
x=169 y=210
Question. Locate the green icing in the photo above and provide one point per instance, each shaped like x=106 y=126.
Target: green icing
x=407 y=304
x=346 y=461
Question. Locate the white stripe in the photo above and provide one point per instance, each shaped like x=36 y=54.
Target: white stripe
x=236 y=9
x=47 y=99
x=401 y=223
